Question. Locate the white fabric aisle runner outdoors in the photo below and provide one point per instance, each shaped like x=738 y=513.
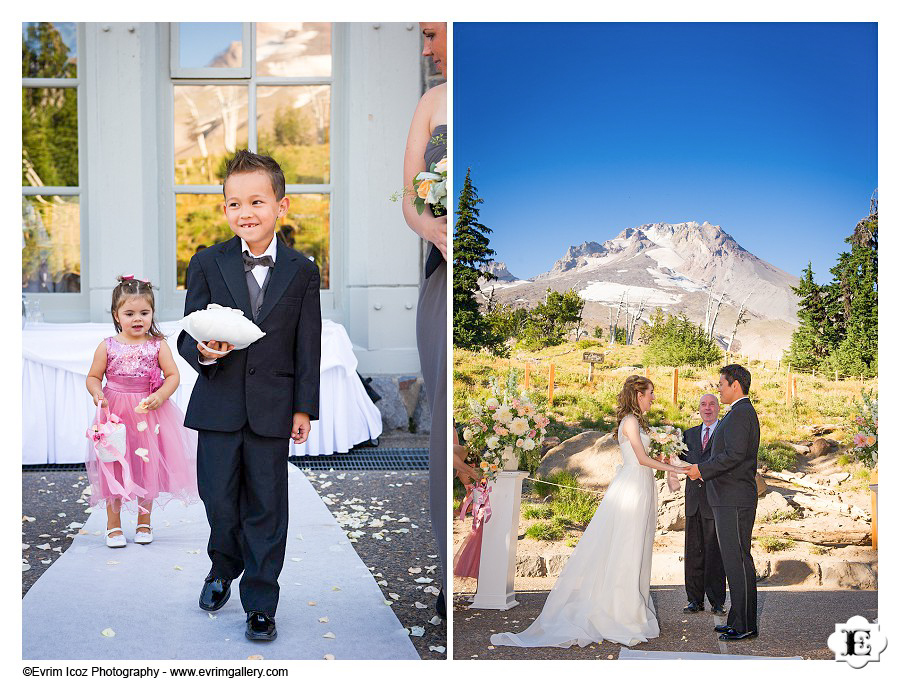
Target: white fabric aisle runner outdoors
x=152 y=606
x=631 y=654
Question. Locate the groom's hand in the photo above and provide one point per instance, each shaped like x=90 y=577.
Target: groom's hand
x=694 y=472
x=300 y=428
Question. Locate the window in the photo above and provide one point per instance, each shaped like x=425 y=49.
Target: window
x=52 y=244
x=278 y=102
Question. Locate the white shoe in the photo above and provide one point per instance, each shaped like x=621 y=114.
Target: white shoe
x=118 y=541
x=143 y=538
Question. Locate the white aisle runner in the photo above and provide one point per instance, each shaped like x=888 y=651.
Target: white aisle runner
x=152 y=606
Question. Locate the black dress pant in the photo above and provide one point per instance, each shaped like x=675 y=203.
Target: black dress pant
x=703 y=569
x=242 y=480
x=734 y=528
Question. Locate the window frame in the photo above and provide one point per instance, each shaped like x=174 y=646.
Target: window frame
x=66 y=306
x=172 y=298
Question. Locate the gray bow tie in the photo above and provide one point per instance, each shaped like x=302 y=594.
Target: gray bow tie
x=251 y=262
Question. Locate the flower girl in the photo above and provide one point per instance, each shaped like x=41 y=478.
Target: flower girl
x=156 y=460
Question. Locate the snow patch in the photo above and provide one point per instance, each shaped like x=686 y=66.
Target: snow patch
x=611 y=292
x=666 y=258
x=675 y=280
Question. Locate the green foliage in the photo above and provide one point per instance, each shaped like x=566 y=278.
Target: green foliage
x=566 y=503
x=778 y=457
x=506 y=322
x=780 y=516
x=775 y=544
x=536 y=511
x=839 y=321
x=471 y=252
x=548 y=531
x=549 y=322
x=674 y=341
x=584 y=344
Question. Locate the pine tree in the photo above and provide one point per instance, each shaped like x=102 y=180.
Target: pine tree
x=471 y=252
x=816 y=336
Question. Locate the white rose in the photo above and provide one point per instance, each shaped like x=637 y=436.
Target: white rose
x=441 y=166
x=503 y=414
x=528 y=444
x=518 y=427
x=467 y=434
x=492 y=403
x=492 y=442
x=520 y=443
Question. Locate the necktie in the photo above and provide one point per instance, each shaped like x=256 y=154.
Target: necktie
x=705 y=436
x=251 y=262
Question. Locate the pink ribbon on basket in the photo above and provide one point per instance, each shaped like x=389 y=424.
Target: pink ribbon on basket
x=481 y=508
x=128 y=489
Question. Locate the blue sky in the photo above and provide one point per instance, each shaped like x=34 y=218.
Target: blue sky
x=577 y=131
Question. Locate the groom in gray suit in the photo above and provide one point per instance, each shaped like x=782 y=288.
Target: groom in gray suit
x=730 y=474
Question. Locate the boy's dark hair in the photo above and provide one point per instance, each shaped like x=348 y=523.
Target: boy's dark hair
x=245 y=161
x=129 y=286
x=737 y=373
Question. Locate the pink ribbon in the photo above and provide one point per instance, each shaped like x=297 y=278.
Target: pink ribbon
x=128 y=489
x=481 y=510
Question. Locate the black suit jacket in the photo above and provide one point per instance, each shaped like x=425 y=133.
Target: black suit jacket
x=730 y=473
x=264 y=384
x=695 y=491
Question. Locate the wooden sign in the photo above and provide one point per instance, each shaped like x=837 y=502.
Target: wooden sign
x=592 y=357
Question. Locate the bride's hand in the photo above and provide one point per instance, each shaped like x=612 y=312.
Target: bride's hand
x=436 y=233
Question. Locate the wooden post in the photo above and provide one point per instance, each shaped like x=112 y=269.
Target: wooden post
x=550 y=385
x=874 y=493
x=787 y=390
x=591 y=373
x=836 y=375
x=794 y=388
x=675 y=388
x=527 y=374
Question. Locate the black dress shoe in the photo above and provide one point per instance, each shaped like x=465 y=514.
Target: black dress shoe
x=723 y=628
x=215 y=593
x=717 y=610
x=441 y=606
x=734 y=634
x=260 y=627
x=693 y=607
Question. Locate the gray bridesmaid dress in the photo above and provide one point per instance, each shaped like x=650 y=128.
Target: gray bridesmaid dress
x=431 y=338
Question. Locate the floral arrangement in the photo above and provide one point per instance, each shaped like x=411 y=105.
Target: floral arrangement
x=865 y=442
x=666 y=445
x=431 y=188
x=502 y=430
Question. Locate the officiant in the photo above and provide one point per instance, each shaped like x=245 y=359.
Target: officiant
x=703 y=569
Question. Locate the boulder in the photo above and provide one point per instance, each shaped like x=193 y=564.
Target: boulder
x=530 y=566
x=856 y=575
x=836 y=479
x=592 y=456
x=549 y=443
x=761 y=486
x=671 y=517
x=770 y=503
x=820 y=447
x=796 y=447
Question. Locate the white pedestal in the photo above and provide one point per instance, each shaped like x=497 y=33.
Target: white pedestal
x=497 y=572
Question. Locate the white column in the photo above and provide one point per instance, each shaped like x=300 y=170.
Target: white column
x=497 y=571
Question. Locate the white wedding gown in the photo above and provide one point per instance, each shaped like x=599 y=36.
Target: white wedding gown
x=603 y=591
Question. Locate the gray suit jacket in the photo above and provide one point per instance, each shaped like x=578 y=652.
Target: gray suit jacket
x=730 y=473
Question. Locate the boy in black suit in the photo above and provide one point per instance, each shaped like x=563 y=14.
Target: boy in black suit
x=730 y=476
x=703 y=570
x=248 y=403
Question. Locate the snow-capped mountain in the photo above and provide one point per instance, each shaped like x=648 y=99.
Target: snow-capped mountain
x=674 y=267
x=499 y=271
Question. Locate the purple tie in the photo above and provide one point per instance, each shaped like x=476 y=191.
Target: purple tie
x=705 y=436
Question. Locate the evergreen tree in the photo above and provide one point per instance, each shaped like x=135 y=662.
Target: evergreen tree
x=550 y=321
x=675 y=340
x=471 y=252
x=816 y=336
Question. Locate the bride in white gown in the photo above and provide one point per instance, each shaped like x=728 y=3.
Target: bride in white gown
x=603 y=591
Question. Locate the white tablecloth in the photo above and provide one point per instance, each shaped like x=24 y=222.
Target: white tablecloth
x=57 y=409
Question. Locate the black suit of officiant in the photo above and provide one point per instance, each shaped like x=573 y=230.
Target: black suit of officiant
x=242 y=408
x=730 y=476
x=703 y=569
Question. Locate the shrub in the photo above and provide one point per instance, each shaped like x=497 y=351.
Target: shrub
x=536 y=511
x=775 y=544
x=576 y=506
x=777 y=456
x=547 y=531
x=587 y=343
x=781 y=516
x=674 y=341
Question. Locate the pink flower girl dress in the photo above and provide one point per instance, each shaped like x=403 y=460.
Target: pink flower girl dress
x=160 y=453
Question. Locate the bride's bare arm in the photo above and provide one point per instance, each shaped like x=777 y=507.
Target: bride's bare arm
x=426 y=225
x=631 y=429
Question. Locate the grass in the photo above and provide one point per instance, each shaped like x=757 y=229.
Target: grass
x=781 y=516
x=549 y=531
x=818 y=549
x=775 y=544
x=575 y=506
x=777 y=456
x=536 y=511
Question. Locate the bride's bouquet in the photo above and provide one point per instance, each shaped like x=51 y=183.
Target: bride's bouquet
x=666 y=444
x=502 y=431
x=431 y=188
